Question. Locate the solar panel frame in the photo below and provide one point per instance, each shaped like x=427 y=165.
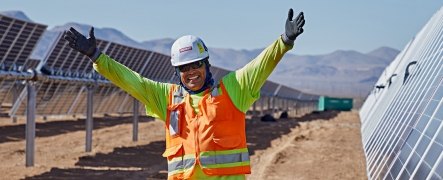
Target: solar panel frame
x=17 y=38
x=400 y=107
x=399 y=131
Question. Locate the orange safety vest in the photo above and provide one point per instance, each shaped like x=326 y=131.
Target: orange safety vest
x=215 y=138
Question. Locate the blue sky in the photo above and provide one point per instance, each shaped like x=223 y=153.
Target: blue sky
x=330 y=25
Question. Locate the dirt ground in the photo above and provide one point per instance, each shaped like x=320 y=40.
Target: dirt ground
x=323 y=145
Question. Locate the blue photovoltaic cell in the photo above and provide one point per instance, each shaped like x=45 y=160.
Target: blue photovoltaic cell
x=402 y=125
x=17 y=40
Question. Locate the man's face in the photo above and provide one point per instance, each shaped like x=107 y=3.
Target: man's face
x=193 y=75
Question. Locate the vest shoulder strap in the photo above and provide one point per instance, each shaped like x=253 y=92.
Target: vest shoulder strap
x=214 y=89
x=179 y=95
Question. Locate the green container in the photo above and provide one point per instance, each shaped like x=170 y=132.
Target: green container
x=330 y=103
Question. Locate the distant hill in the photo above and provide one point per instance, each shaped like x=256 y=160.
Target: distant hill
x=159 y=45
x=386 y=53
x=109 y=34
x=340 y=73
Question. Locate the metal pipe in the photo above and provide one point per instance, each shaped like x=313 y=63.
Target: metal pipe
x=30 y=124
x=254 y=109
x=14 y=75
x=35 y=76
x=89 y=123
x=262 y=106
x=135 y=121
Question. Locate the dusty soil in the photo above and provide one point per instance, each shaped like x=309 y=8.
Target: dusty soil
x=317 y=146
x=321 y=147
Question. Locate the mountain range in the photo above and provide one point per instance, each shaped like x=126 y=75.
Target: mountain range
x=342 y=73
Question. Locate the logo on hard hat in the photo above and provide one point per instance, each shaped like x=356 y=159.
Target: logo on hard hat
x=200 y=48
x=185 y=49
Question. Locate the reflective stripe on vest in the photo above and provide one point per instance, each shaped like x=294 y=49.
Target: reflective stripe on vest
x=210 y=159
x=173 y=123
x=180 y=164
x=179 y=95
x=214 y=91
x=228 y=158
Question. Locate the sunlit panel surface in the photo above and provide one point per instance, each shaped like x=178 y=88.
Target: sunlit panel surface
x=402 y=117
x=17 y=40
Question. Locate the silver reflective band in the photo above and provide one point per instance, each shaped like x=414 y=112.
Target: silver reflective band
x=224 y=158
x=179 y=95
x=178 y=165
x=173 y=123
x=214 y=91
x=178 y=99
x=173 y=118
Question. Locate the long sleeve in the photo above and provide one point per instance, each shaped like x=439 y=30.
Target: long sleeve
x=151 y=93
x=244 y=85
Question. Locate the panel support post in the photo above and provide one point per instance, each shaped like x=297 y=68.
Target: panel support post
x=89 y=121
x=135 y=121
x=30 y=124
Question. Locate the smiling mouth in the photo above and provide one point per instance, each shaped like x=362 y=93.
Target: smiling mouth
x=193 y=78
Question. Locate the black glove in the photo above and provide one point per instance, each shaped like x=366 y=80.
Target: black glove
x=293 y=28
x=79 y=42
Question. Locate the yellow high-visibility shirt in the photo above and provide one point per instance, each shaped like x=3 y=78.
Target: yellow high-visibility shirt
x=243 y=87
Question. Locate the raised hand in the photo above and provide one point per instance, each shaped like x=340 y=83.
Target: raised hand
x=293 y=28
x=86 y=46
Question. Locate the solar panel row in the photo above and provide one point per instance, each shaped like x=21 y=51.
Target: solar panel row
x=17 y=40
x=402 y=129
x=67 y=74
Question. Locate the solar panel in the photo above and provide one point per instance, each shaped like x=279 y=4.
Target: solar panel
x=64 y=59
x=287 y=92
x=402 y=117
x=60 y=98
x=218 y=73
x=17 y=39
x=268 y=89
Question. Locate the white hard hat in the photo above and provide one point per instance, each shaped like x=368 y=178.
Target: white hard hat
x=188 y=49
